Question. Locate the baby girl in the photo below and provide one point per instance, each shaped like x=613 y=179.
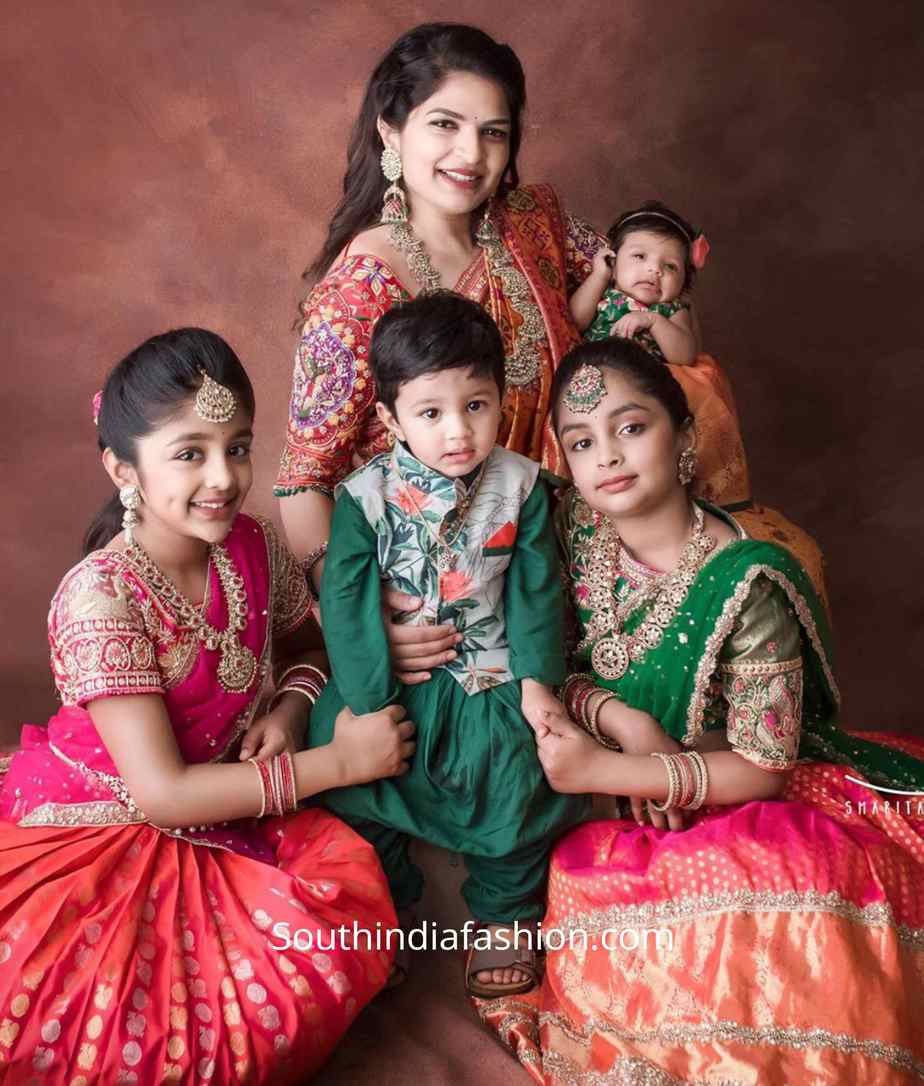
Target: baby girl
x=639 y=284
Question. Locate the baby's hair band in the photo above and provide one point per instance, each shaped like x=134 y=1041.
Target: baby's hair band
x=656 y=215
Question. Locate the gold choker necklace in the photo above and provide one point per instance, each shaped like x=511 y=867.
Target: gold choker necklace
x=238 y=665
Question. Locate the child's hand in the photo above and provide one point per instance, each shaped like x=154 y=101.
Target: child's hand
x=373 y=745
x=633 y=323
x=538 y=703
x=600 y=267
x=268 y=736
x=567 y=754
x=639 y=733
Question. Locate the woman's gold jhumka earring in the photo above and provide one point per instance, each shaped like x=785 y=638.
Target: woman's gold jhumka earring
x=130 y=499
x=394 y=202
x=686 y=467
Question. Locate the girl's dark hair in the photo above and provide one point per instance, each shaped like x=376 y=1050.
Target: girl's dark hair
x=148 y=386
x=624 y=356
x=436 y=331
x=656 y=218
x=410 y=72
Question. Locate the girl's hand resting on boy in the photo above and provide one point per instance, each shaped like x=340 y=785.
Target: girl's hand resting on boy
x=569 y=756
x=538 y=703
x=373 y=745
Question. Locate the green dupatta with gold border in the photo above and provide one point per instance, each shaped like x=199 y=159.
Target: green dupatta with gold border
x=672 y=680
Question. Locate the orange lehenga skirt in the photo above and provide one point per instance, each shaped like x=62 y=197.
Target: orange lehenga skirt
x=130 y=957
x=768 y=944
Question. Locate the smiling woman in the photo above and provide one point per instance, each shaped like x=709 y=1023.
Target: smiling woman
x=442 y=117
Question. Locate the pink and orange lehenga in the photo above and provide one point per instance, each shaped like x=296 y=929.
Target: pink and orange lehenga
x=132 y=954
x=768 y=943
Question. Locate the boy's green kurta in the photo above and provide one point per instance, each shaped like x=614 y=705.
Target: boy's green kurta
x=475 y=784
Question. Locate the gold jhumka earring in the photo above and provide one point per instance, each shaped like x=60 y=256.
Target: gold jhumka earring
x=394 y=202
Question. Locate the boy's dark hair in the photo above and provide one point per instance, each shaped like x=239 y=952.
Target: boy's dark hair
x=625 y=356
x=439 y=330
x=148 y=386
x=658 y=219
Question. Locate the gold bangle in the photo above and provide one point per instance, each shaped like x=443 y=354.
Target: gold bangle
x=593 y=715
x=702 y=787
x=673 y=782
x=288 y=690
x=256 y=765
x=321 y=677
x=308 y=564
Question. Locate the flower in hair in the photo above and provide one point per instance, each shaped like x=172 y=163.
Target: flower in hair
x=699 y=250
x=97 y=404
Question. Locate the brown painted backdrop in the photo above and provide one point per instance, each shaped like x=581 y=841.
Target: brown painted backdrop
x=174 y=162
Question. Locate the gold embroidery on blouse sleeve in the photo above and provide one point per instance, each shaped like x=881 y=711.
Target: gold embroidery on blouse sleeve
x=292 y=602
x=708 y=662
x=764 y=711
x=100 y=644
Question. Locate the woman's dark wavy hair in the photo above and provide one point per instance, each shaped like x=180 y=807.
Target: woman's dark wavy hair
x=656 y=218
x=146 y=388
x=412 y=70
x=624 y=356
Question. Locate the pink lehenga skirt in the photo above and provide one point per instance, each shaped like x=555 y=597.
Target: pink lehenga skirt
x=769 y=943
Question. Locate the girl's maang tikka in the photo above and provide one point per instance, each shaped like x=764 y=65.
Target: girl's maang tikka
x=214 y=402
x=585 y=390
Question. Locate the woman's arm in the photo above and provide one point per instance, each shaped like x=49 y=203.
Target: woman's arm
x=306 y=518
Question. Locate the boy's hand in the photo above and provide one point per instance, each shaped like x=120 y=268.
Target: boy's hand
x=568 y=755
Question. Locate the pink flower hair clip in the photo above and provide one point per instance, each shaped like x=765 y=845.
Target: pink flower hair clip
x=699 y=250
x=97 y=404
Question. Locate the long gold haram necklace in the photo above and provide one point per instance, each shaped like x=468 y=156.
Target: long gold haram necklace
x=613 y=650
x=522 y=366
x=237 y=665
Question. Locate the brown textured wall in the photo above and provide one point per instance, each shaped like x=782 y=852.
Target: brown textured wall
x=174 y=162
